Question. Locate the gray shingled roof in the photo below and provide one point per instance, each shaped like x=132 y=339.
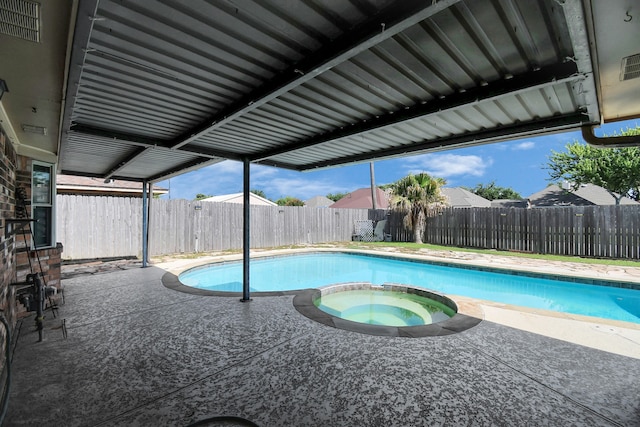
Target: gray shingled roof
x=73 y=184
x=458 y=197
x=318 y=202
x=585 y=195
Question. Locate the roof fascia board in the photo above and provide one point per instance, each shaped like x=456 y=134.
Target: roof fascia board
x=521 y=83
x=384 y=25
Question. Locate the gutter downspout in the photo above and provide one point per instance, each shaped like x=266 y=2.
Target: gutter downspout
x=609 y=141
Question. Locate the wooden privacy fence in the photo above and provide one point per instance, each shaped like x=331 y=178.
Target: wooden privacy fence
x=590 y=231
x=189 y=226
x=100 y=227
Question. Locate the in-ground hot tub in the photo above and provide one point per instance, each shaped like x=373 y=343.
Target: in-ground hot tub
x=388 y=306
x=390 y=309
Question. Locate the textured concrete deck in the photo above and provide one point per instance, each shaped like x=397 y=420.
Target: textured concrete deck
x=138 y=353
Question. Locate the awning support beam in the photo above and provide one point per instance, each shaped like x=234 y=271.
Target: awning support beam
x=514 y=131
x=146 y=142
x=382 y=26
x=538 y=79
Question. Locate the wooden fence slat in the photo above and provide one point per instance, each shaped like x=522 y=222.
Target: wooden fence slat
x=98 y=227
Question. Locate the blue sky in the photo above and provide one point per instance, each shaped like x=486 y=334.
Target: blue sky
x=518 y=164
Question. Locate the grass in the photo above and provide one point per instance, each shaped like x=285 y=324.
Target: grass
x=416 y=247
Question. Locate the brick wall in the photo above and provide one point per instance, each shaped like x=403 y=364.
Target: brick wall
x=49 y=259
x=16 y=257
x=46 y=260
x=8 y=163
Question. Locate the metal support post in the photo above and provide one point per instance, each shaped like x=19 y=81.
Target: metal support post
x=246 y=227
x=145 y=220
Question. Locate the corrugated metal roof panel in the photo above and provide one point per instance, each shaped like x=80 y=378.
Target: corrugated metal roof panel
x=153 y=162
x=466 y=119
x=257 y=79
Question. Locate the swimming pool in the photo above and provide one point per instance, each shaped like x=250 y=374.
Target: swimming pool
x=294 y=272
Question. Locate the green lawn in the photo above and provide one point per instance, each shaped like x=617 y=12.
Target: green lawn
x=415 y=246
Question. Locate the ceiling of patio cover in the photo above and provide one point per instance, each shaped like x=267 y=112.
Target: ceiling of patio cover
x=159 y=87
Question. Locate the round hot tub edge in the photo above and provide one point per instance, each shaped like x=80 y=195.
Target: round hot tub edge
x=305 y=304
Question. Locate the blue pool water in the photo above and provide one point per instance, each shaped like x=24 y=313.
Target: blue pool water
x=321 y=269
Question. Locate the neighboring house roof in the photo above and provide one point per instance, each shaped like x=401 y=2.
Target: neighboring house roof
x=509 y=203
x=585 y=195
x=458 y=197
x=318 y=202
x=87 y=186
x=361 y=199
x=254 y=199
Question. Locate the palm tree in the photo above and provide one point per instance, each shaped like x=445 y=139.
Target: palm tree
x=418 y=197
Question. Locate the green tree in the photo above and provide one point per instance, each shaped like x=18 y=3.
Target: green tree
x=201 y=196
x=385 y=186
x=615 y=169
x=259 y=193
x=289 y=201
x=492 y=192
x=418 y=197
x=336 y=196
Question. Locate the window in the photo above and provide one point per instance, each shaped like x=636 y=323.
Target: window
x=42 y=203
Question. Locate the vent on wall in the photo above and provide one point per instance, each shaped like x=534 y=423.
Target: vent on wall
x=630 y=67
x=20 y=18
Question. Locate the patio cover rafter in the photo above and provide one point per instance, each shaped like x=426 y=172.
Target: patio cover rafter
x=531 y=80
x=124 y=162
x=553 y=124
x=141 y=141
x=382 y=26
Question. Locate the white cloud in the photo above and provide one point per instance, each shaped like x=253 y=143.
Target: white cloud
x=260 y=171
x=448 y=165
x=231 y=171
x=527 y=145
x=228 y=166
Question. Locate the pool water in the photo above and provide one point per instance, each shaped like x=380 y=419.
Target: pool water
x=296 y=272
x=381 y=307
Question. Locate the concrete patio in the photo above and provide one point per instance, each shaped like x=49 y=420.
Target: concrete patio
x=138 y=353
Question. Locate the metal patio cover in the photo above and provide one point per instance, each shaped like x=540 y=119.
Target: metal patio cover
x=155 y=88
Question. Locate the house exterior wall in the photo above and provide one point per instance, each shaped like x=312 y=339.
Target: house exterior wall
x=8 y=163
x=45 y=260
x=15 y=171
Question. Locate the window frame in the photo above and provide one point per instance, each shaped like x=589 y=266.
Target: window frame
x=51 y=204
